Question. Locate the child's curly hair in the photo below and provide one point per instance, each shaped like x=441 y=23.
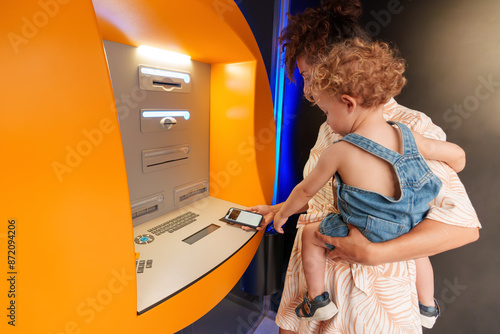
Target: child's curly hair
x=372 y=72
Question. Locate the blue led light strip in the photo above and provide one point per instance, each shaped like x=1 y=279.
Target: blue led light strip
x=279 y=91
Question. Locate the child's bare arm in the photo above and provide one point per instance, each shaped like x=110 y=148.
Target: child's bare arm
x=323 y=171
x=450 y=153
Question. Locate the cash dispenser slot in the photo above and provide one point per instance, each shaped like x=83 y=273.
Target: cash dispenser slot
x=162 y=79
x=160 y=158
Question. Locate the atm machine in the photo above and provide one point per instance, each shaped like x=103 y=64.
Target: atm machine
x=164 y=114
x=164 y=102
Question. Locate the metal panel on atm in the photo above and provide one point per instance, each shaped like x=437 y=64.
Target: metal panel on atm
x=163 y=110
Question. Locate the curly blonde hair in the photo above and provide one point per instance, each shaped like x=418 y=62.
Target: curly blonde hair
x=372 y=72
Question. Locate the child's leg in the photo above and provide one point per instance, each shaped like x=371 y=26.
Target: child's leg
x=429 y=309
x=313 y=261
x=316 y=304
x=425 y=281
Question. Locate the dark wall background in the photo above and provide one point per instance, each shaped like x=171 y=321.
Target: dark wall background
x=453 y=53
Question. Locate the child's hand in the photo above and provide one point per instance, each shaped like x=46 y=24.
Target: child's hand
x=279 y=221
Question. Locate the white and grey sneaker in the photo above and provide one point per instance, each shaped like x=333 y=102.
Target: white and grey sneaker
x=429 y=314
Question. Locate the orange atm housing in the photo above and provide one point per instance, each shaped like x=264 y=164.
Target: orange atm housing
x=65 y=214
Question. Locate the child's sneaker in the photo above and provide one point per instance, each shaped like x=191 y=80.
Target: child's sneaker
x=429 y=314
x=320 y=308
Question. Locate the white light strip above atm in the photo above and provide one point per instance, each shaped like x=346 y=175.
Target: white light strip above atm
x=163 y=54
x=166 y=113
x=164 y=73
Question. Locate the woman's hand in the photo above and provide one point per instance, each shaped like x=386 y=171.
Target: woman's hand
x=265 y=210
x=355 y=248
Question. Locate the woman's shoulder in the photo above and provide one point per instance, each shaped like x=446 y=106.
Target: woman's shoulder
x=415 y=120
x=399 y=113
x=326 y=137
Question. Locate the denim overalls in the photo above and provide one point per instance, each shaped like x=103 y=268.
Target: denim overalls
x=379 y=217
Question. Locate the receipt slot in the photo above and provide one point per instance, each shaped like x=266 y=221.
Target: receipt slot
x=161 y=79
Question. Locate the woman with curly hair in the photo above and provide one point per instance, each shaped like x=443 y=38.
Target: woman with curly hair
x=383 y=184
x=373 y=284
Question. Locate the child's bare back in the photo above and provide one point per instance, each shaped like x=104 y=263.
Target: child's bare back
x=363 y=170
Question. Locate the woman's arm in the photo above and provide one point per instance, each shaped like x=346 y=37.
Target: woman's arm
x=428 y=238
x=432 y=149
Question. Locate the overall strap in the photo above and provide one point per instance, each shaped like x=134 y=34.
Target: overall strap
x=372 y=147
x=409 y=145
